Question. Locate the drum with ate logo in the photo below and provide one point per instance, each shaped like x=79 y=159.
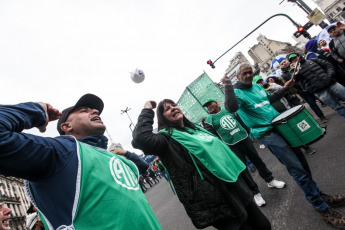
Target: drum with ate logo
x=298 y=127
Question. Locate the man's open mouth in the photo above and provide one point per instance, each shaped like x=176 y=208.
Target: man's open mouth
x=96 y=119
x=5 y=222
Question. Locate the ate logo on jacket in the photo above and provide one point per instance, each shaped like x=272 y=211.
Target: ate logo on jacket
x=227 y=122
x=123 y=174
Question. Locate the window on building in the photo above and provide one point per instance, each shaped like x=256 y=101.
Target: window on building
x=343 y=16
x=331 y=14
x=11 y=206
x=339 y=9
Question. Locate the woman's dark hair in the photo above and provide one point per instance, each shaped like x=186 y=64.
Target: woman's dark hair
x=164 y=123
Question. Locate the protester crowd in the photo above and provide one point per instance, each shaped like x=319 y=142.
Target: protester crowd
x=73 y=179
x=149 y=178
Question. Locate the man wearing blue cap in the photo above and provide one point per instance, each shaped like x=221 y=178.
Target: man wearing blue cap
x=72 y=180
x=337 y=45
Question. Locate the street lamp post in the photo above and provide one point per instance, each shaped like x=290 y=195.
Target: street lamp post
x=211 y=63
x=126 y=111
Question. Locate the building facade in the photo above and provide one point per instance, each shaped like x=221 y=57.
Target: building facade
x=266 y=50
x=13 y=195
x=333 y=9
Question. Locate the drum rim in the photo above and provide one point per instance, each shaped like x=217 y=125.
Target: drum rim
x=286 y=118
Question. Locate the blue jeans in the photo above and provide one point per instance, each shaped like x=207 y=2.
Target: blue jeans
x=329 y=97
x=297 y=166
x=249 y=163
x=164 y=175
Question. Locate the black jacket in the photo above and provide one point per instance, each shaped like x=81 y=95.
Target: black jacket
x=315 y=75
x=206 y=201
x=338 y=67
x=287 y=76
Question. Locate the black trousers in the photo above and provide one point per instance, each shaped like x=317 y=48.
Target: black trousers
x=311 y=100
x=255 y=220
x=246 y=148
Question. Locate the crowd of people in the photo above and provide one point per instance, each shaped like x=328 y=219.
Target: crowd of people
x=156 y=169
x=73 y=179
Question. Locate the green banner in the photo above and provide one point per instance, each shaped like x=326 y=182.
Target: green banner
x=196 y=94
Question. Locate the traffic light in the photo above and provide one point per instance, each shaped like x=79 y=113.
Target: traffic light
x=302 y=30
x=209 y=62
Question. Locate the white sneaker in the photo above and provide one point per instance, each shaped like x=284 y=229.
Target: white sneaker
x=259 y=200
x=262 y=146
x=276 y=184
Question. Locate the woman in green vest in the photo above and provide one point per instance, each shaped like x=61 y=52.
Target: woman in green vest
x=206 y=175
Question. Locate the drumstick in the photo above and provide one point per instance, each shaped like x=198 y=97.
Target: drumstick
x=294 y=72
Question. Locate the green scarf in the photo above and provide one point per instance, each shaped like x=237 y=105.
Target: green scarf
x=215 y=155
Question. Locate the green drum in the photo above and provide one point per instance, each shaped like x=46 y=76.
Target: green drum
x=298 y=127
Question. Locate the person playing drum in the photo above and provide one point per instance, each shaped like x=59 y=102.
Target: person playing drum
x=252 y=102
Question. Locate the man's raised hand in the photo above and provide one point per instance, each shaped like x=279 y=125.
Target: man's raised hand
x=52 y=114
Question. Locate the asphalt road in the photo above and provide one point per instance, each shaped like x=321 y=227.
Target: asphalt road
x=285 y=208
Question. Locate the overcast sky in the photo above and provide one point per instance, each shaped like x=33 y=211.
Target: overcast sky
x=56 y=51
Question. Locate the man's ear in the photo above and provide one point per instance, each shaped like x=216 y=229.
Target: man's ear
x=66 y=127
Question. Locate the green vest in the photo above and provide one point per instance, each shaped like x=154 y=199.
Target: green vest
x=108 y=195
x=255 y=109
x=214 y=154
x=227 y=127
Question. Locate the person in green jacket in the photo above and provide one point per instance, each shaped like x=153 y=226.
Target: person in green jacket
x=253 y=104
x=206 y=175
x=230 y=129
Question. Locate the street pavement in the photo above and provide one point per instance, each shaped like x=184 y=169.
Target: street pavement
x=287 y=208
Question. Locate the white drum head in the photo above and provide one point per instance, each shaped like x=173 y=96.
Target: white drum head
x=287 y=113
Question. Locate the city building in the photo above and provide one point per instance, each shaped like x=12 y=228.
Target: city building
x=13 y=195
x=266 y=50
x=333 y=9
